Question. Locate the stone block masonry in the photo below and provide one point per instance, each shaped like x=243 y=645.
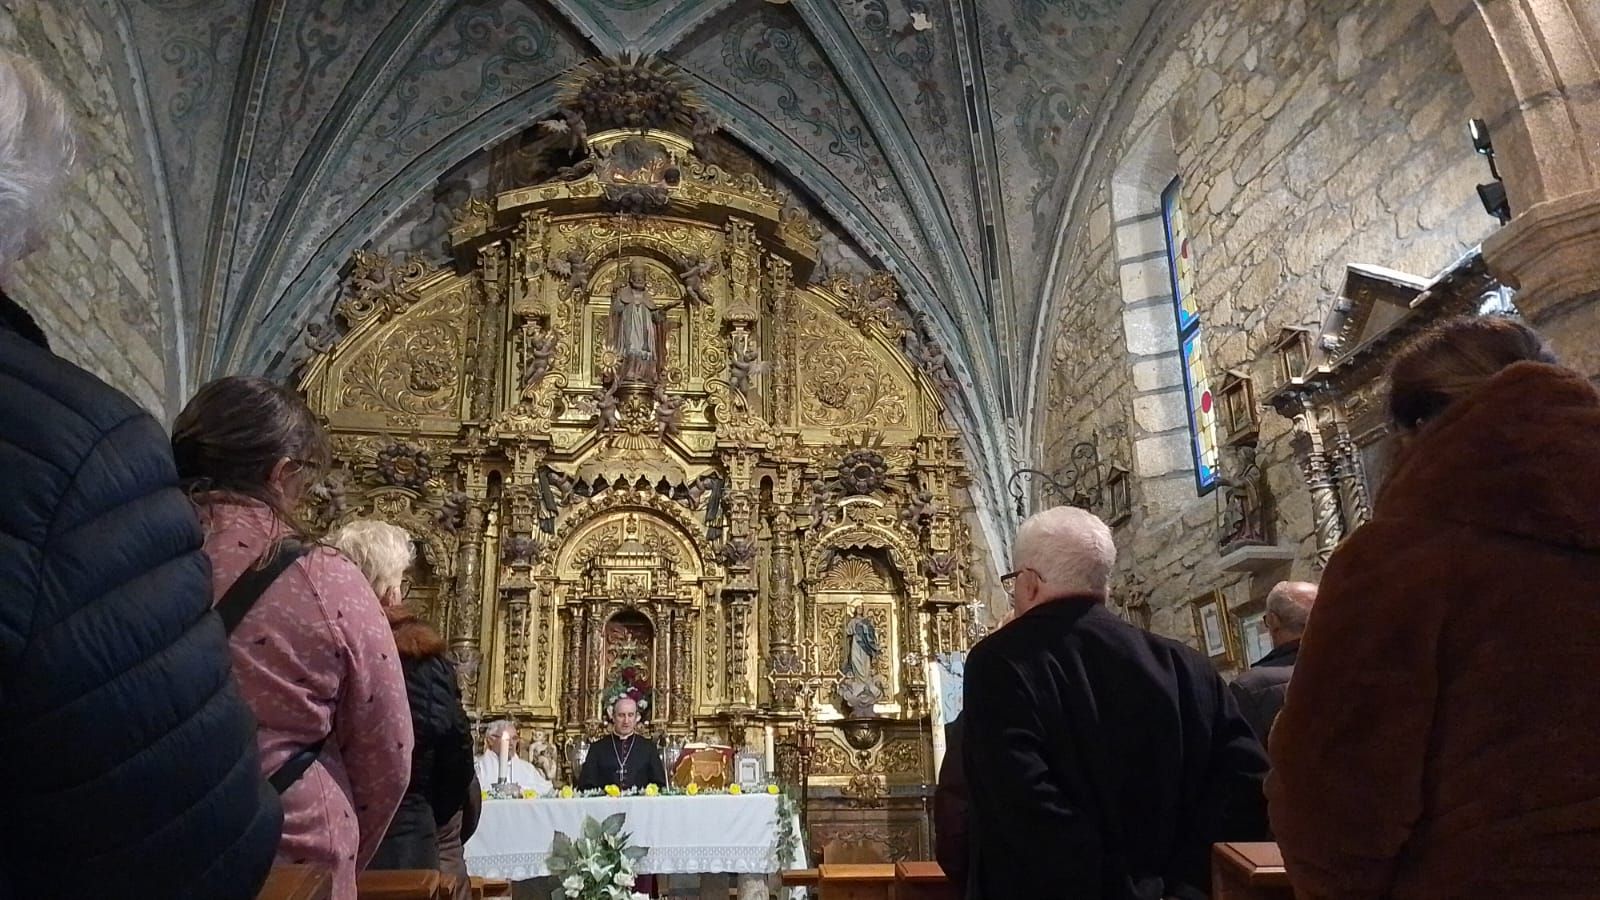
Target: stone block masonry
x=1307 y=138
x=92 y=285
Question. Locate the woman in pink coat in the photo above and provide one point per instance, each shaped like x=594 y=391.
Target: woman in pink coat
x=314 y=656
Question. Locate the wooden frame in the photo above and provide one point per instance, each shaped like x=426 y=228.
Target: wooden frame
x=1236 y=399
x=1292 y=351
x=1118 y=496
x=1213 y=627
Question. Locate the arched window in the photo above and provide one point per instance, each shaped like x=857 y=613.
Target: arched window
x=1191 y=342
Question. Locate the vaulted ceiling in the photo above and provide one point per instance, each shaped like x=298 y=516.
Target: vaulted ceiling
x=941 y=135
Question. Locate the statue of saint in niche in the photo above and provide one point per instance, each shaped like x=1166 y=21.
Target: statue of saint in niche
x=858 y=688
x=638 y=328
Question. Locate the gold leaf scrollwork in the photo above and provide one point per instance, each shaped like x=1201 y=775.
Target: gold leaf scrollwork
x=413 y=369
x=841 y=382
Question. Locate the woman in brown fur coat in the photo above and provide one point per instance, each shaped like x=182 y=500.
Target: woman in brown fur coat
x=1440 y=733
x=441 y=763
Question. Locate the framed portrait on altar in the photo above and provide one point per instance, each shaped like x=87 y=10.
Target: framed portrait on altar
x=1212 y=626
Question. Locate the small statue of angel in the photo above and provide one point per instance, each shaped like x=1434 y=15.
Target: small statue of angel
x=693 y=278
x=573 y=268
x=320 y=336
x=919 y=510
x=821 y=496
x=330 y=492
x=745 y=365
x=541 y=351
x=667 y=407
x=570 y=124
x=452 y=511
x=605 y=405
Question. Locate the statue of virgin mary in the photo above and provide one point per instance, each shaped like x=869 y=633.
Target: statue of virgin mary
x=637 y=328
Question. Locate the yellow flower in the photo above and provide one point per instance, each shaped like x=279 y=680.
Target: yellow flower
x=735 y=789
x=613 y=791
x=772 y=789
x=529 y=795
x=692 y=789
x=566 y=792
x=651 y=790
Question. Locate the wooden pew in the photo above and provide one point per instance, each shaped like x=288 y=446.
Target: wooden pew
x=490 y=887
x=297 y=883
x=924 y=881
x=1249 y=872
x=856 y=881
x=400 y=884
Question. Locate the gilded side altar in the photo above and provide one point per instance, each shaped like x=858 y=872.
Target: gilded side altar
x=641 y=453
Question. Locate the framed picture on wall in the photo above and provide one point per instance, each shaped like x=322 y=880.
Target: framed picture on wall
x=1254 y=638
x=1211 y=624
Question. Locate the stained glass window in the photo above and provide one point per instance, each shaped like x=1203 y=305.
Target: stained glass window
x=1196 y=380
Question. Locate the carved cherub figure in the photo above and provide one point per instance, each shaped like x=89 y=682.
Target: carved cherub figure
x=519 y=550
x=667 y=408
x=540 y=351
x=320 y=336
x=605 y=404
x=573 y=268
x=330 y=492
x=693 y=278
x=919 y=510
x=821 y=496
x=452 y=511
x=745 y=365
x=570 y=124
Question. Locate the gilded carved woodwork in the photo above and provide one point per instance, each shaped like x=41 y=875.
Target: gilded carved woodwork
x=782 y=462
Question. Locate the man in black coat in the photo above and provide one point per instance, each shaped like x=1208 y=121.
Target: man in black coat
x=128 y=762
x=1102 y=761
x=623 y=758
x=950 y=806
x=1260 y=691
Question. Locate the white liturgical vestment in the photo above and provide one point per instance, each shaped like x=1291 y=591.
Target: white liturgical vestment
x=523 y=774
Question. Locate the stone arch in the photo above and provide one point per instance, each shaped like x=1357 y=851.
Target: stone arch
x=1534 y=67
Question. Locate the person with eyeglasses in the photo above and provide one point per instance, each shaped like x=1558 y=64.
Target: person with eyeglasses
x=1102 y=761
x=311 y=647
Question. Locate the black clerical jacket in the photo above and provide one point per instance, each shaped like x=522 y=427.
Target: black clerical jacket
x=1102 y=761
x=631 y=762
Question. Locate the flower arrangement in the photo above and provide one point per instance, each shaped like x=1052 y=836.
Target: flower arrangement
x=788 y=834
x=599 y=865
x=693 y=789
x=629 y=679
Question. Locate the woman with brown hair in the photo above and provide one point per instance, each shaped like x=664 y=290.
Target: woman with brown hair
x=311 y=647
x=1438 y=738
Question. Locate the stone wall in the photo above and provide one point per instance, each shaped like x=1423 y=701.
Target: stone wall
x=1306 y=139
x=92 y=286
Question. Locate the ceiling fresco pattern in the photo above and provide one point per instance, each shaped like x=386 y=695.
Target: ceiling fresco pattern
x=938 y=136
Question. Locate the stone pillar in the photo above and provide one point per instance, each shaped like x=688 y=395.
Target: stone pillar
x=1534 y=66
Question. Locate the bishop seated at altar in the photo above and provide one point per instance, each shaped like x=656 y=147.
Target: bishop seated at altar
x=500 y=763
x=623 y=758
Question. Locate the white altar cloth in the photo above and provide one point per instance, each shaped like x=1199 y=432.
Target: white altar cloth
x=684 y=835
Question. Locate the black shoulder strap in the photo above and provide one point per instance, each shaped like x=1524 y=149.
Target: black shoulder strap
x=243 y=593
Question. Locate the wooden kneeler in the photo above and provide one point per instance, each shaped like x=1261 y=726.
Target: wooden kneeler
x=400 y=884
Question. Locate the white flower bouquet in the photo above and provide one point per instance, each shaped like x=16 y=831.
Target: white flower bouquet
x=598 y=865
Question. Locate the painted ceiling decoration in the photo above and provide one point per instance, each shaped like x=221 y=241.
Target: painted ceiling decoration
x=936 y=137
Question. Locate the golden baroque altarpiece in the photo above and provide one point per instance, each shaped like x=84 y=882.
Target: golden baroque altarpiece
x=638 y=451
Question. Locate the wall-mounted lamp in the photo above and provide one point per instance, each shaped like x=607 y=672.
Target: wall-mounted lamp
x=1493 y=194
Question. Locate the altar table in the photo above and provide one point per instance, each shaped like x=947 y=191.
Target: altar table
x=716 y=834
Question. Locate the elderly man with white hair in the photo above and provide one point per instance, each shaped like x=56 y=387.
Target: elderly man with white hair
x=500 y=763
x=128 y=759
x=1260 y=691
x=1102 y=761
